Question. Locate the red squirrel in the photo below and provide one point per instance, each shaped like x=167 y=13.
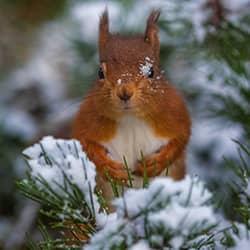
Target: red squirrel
x=132 y=110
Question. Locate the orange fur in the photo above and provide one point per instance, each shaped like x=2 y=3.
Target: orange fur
x=154 y=100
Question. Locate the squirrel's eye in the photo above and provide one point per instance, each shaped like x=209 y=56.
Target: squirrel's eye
x=100 y=73
x=151 y=72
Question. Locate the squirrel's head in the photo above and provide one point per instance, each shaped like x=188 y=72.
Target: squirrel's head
x=128 y=64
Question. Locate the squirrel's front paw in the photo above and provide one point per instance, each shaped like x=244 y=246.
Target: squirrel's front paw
x=150 y=166
x=116 y=171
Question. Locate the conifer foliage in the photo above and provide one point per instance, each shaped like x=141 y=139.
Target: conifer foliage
x=166 y=214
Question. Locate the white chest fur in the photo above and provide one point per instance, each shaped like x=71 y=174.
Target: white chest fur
x=133 y=138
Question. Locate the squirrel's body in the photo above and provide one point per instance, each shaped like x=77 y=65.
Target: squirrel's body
x=133 y=138
x=133 y=112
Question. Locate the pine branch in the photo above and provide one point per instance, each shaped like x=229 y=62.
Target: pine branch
x=62 y=180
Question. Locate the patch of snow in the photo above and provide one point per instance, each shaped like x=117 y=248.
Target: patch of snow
x=242 y=240
x=141 y=245
x=145 y=68
x=177 y=242
x=53 y=159
x=207 y=133
x=235 y=5
x=235 y=11
x=18 y=123
x=175 y=207
x=198 y=17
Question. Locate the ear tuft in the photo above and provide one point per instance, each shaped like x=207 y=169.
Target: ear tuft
x=103 y=29
x=104 y=22
x=153 y=17
x=151 y=34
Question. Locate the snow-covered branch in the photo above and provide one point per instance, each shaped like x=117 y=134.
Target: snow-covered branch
x=165 y=215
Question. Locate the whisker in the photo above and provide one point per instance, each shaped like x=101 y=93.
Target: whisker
x=104 y=95
x=147 y=94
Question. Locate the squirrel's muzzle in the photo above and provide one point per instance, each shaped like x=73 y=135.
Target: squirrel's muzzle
x=125 y=93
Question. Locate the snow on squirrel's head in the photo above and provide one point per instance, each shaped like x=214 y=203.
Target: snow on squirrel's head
x=128 y=64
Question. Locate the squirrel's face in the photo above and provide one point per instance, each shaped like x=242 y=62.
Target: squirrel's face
x=128 y=65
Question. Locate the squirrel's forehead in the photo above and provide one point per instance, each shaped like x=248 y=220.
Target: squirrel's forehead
x=128 y=50
x=129 y=60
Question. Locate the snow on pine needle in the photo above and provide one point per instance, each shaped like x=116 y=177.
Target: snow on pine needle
x=62 y=179
x=176 y=215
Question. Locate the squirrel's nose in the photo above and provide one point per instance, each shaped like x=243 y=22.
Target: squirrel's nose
x=124 y=96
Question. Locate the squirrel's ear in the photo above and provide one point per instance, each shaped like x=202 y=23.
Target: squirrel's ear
x=103 y=30
x=151 y=33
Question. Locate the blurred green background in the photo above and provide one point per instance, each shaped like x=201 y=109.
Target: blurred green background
x=48 y=59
